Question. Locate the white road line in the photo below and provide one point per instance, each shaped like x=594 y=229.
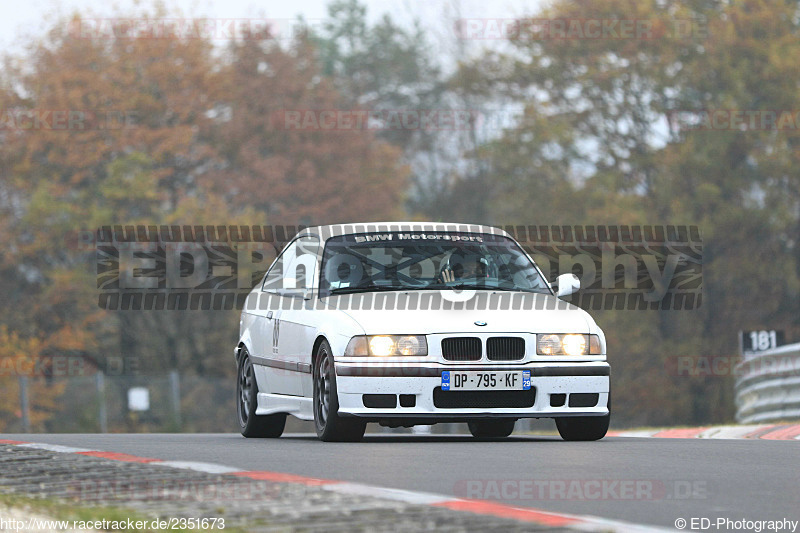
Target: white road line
x=729 y=432
x=597 y=524
x=407 y=496
x=210 y=468
x=53 y=447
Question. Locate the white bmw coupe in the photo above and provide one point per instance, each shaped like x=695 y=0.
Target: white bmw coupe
x=416 y=323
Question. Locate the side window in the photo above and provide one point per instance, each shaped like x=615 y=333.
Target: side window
x=273 y=282
x=301 y=265
x=295 y=269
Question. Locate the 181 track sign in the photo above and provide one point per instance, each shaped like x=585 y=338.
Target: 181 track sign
x=758 y=341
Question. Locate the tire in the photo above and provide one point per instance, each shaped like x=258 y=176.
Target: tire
x=582 y=428
x=499 y=428
x=250 y=424
x=329 y=425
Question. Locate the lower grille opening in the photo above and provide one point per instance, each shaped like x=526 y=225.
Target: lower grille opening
x=558 y=400
x=583 y=399
x=483 y=399
x=408 y=400
x=379 y=401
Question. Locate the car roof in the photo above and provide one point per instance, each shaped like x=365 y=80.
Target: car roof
x=335 y=230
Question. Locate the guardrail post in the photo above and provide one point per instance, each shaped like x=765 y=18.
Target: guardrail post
x=24 y=406
x=175 y=397
x=102 y=415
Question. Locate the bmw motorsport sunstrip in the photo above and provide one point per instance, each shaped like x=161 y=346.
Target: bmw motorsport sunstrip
x=416 y=323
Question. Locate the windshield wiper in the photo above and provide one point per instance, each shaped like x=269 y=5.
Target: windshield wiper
x=463 y=286
x=434 y=286
x=368 y=288
x=540 y=290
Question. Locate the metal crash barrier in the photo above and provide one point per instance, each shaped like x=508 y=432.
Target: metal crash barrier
x=768 y=385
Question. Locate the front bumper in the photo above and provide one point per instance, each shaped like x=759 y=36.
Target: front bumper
x=552 y=383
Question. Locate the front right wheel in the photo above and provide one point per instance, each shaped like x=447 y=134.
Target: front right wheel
x=330 y=426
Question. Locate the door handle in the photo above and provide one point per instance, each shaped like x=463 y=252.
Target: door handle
x=269 y=315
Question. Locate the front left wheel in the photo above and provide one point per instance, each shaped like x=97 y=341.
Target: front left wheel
x=250 y=424
x=330 y=426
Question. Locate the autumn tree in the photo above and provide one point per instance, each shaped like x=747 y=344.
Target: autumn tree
x=607 y=137
x=297 y=171
x=164 y=131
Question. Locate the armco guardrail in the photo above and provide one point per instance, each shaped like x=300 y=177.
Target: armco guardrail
x=768 y=385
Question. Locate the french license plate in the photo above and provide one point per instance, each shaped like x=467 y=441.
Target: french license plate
x=486 y=380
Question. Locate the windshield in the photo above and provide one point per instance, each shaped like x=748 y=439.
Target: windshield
x=422 y=261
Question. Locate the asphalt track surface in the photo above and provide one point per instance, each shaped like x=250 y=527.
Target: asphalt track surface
x=675 y=478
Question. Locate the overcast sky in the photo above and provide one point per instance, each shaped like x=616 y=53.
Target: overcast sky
x=23 y=19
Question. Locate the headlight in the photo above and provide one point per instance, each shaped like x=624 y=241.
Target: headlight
x=387 y=345
x=568 y=344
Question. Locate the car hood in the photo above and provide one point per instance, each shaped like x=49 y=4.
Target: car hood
x=431 y=312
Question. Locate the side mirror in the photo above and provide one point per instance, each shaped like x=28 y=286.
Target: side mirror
x=567 y=284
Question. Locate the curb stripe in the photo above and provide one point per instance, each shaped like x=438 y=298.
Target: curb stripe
x=766 y=432
x=782 y=433
x=506 y=511
x=280 y=477
x=680 y=433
